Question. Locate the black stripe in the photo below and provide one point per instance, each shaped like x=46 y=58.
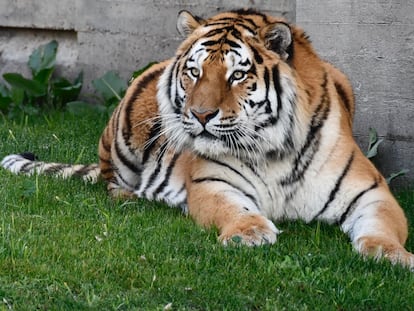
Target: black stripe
x=233 y=170
x=267 y=81
x=312 y=138
x=301 y=163
x=107 y=171
x=249 y=29
x=213 y=179
x=182 y=189
x=25 y=167
x=53 y=168
x=278 y=87
x=342 y=94
x=257 y=57
x=157 y=170
x=104 y=160
x=237 y=34
x=246 y=63
x=177 y=102
x=142 y=84
x=154 y=132
x=337 y=186
x=119 y=177
x=167 y=176
x=10 y=162
x=85 y=170
x=218 y=23
x=105 y=145
x=232 y=44
x=170 y=77
x=351 y=206
x=211 y=42
x=216 y=31
x=236 y=52
x=115 y=120
x=176 y=194
x=243 y=19
x=249 y=20
x=125 y=161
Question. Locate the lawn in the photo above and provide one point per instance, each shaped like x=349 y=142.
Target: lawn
x=64 y=245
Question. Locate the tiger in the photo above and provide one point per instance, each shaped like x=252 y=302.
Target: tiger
x=244 y=127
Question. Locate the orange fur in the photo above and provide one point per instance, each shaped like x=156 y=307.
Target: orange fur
x=178 y=135
x=210 y=206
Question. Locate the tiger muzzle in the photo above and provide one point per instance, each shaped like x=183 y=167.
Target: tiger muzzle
x=203 y=116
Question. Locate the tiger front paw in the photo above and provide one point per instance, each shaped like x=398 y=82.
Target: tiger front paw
x=252 y=230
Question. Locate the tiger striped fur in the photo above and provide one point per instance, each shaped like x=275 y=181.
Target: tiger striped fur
x=246 y=124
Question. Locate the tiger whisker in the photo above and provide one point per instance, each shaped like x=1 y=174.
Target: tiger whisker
x=148 y=120
x=165 y=129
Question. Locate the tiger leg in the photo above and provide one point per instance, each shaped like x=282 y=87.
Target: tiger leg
x=236 y=218
x=378 y=228
x=117 y=192
x=107 y=165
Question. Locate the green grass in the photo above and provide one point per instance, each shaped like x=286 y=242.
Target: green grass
x=64 y=245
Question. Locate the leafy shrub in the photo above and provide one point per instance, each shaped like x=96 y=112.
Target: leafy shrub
x=110 y=89
x=42 y=91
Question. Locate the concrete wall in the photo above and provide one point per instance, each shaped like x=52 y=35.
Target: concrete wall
x=100 y=35
x=371 y=41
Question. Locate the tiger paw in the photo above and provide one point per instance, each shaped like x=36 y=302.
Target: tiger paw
x=252 y=230
x=378 y=248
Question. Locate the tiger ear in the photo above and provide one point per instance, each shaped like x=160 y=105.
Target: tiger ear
x=278 y=37
x=187 y=23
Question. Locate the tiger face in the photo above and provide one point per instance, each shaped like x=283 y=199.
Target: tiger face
x=222 y=94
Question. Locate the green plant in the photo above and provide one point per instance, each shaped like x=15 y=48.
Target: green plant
x=110 y=89
x=372 y=151
x=42 y=90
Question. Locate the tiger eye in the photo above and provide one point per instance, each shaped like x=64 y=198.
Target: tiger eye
x=195 y=72
x=238 y=75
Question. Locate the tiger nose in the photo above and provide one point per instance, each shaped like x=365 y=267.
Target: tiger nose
x=203 y=116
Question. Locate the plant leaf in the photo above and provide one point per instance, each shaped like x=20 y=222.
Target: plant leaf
x=372 y=138
x=110 y=86
x=395 y=175
x=31 y=87
x=65 y=90
x=373 y=150
x=43 y=76
x=42 y=61
x=79 y=78
x=29 y=109
x=17 y=96
x=5 y=97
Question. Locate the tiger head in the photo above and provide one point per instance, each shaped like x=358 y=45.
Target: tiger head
x=230 y=88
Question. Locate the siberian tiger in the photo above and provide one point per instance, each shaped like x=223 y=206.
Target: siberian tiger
x=245 y=125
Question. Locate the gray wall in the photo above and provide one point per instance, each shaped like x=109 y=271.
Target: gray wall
x=371 y=41
x=97 y=35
